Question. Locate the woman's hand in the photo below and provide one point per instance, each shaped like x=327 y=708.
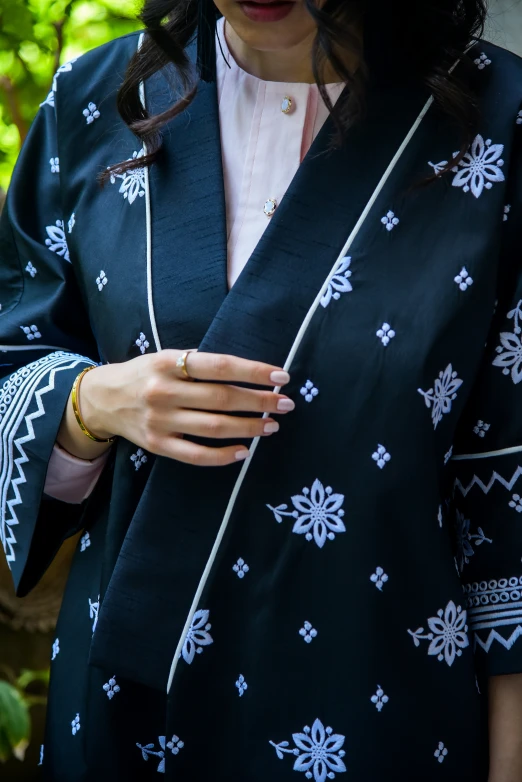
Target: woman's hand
x=150 y=402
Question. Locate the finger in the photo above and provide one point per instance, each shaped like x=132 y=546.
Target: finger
x=200 y=455
x=216 y=426
x=211 y=396
x=229 y=369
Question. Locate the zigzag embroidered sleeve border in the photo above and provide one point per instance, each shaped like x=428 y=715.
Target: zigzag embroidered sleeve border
x=21 y=390
x=487 y=454
x=494 y=604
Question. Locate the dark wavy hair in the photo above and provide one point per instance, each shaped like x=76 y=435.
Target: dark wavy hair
x=402 y=40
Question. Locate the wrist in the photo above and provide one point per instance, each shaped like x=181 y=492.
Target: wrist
x=94 y=403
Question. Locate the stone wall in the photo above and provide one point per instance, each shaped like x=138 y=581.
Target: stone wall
x=505 y=24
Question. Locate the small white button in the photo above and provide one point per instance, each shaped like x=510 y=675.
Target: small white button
x=270 y=207
x=286 y=104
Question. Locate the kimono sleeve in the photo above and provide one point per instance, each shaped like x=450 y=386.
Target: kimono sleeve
x=45 y=341
x=488 y=468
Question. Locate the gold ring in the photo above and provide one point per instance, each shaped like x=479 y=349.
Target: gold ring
x=182 y=363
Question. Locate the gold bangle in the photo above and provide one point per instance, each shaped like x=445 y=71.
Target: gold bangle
x=75 y=400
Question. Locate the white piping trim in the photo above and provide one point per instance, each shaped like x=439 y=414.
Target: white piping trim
x=288 y=362
x=150 y=303
x=487 y=454
x=15 y=348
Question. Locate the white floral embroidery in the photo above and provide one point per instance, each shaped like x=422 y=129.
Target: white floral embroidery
x=142 y=342
x=49 y=101
x=197 y=636
x=390 y=221
x=94 y=608
x=482 y=61
x=30 y=269
x=111 y=688
x=516 y=503
x=442 y=394
x=465 y=540
x=175 y=744
x=448 y=634
x=481 y=428
x=85 y=541
x=139 y=458
x=321 y=513
x=56 y=649
x=481 y=167
x=241 y=685
x=381 y=456
x=56 y=240
x=91 y=113
x=308 y=633
x=65 y=68
x=101 y=280
x=240 y=568
x=379 y=578
x=317 y=752
x=55 y=165
x=75 y=725
x=463 y=279
x=71 y=223
x=507 y=210
x=379 y=699
x=31 y=332
x=133 y=182
x=519 y=118
x=439 y=167
x=385 y=333
x=340 y=282
x=448 y=455
x=440 y=516
x=441 y=752
x=40 y=763
x=510 y=348
x=309 y=391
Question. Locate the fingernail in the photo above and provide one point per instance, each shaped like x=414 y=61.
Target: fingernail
x=241 y=455
x=279 y=378
x=285 y=405
x=271 y=427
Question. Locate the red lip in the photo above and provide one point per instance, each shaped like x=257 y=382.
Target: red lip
x=266 y=10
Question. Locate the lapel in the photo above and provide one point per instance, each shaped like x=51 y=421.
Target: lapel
x=262 y=313
x=259 y=319
x=189 y=243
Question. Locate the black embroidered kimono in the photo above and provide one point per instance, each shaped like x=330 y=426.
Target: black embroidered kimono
x=331 y=608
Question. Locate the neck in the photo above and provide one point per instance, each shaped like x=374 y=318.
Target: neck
x=289 y=65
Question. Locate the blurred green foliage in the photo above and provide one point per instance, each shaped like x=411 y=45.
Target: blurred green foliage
x=36 y=36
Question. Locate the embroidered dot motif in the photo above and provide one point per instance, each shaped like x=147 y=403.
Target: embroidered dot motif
x=463 y=279
x=390 y=221
x=240 y=568
x=379 y=699
x=441 y=752
x=31 y=332
x=309 y=391
x=381 y=456
x=482 y=61
x=308 y=633
x=516 y=503
x=386 y=334
x=379 y=578
x=241 y=685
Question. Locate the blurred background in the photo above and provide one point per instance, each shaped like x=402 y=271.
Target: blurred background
x=36 y=36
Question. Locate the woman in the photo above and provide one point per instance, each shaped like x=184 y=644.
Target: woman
x=307 y=241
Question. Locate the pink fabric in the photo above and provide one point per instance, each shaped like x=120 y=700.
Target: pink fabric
x=70 y=479
x=261 y=146
x=262 y=149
